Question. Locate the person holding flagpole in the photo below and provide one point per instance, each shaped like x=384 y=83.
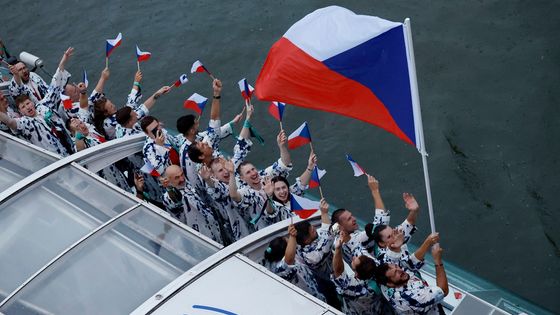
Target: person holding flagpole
x=282 y=188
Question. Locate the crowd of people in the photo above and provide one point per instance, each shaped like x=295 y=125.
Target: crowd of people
x=359 y=271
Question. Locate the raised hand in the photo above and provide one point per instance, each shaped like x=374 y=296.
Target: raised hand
x=324 y=206
x=65 y=57
x=105 y=74
x=250 y=111
x=217 y=87
x=432 y=239
x=268 y=186
x=160 y=138
x=398 y=239
x=312 y=161
x=292 y=231
x=281 y=139
x=205 y=172
x=228 y=165
x=436 y=253
x=138 y=76
x=372 y=182
x=410 y=202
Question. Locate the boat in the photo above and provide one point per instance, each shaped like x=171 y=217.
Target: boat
x=74 y=243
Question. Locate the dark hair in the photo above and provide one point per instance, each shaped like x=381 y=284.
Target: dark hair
x=99 y=115
x=185 y=123
x=277 y=179
x=20 y=99
x=366 y=269
x=336 y=215
x=276 y=249
x=123 y=115
x=146 y=121
x=194 y=153
x=302 y=229
x=376 y=235
x=238 y=170
x=67 y=124
x=380 y=274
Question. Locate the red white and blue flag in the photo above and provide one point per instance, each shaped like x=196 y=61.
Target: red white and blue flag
x=358 y=170
x=246 y=89
x=196 y=102
x=142 y=55
x=276 y=109
x=84 y=78
x=199 y=67
x=299 y=137
x=354 y=65
x=316 y=175
x=66 y=101
x=303 y=207
x=148 y=168
x=182 y=80
x=112 y=44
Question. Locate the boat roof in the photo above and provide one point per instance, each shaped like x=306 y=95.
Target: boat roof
x=72 y=242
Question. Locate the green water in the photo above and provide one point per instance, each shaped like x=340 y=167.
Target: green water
x=488 y=75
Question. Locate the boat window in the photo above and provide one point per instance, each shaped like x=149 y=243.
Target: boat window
x=115 y=270
x=49 y=216
x=18 y=161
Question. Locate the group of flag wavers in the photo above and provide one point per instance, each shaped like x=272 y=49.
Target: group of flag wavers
x=322 y=63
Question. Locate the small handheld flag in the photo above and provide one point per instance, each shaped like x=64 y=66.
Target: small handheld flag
x=196 y=102
x=316 y=175
x=246 y=89
x=303 y=207
x=112 y=44
x=276 y=109
x=148 y=168
x=182 y=80
x=66 y=101
x=199 y=67
x=358 y=171
x=299 y=137
x=84 y=78
x=142 y=55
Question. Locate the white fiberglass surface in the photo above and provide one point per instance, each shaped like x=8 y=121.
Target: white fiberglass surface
x=44 y=219
x=115 y=270
x=237 y=286
x=18 y=161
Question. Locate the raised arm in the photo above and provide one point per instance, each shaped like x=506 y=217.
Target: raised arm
x=83 y=95
x=65 y=57
x=324 y=207
x=245 y=131
x=137 y=79
x=306 y=175
x=282 y=141
x=441 y=276
x=150 y=102
x=338 y=262
x=9 y=121
x=431 y=240
x=412 y=206
x=233 y=192
x=215 y=109
x=290 y=253
x=373 y=184
x=102 y=79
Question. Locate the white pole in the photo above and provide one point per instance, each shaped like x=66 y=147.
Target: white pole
x=420 y=145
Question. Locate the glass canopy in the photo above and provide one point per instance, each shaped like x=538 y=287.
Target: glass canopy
x=73 y=244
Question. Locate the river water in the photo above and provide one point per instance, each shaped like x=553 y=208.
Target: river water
x=488 y=75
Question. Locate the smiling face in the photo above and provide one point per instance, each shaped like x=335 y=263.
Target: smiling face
x=249 y=174
x=387 y=235
x=281 y=191
x=219 y=171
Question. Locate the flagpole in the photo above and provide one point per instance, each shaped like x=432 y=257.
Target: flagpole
x=418 y=119
x=281 y=127
x=138 y=63
x=321 y=191
x=106 y=62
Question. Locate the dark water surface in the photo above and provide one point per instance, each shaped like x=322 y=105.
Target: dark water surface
x=489 y=80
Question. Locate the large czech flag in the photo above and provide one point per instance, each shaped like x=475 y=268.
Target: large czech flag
x=354 y=65
x=303 y=207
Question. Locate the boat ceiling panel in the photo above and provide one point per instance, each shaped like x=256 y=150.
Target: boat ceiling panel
x=47 y=217
x=115 y=270
x=238 y=286
x=18 y=161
